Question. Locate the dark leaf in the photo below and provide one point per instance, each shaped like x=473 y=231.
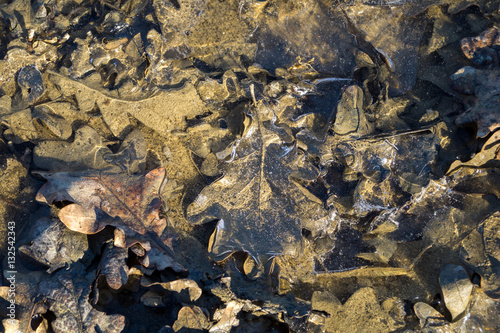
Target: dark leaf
x=259 y=202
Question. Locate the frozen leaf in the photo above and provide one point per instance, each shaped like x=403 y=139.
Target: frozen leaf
x=54 y=245
x=113 y=265
x=153 y=299
x=87 y=151
x=164 y=112
x=313 y=32
x=21 y=128
x=64 y=110
x=18 y=56
x=443 y=31
x=324 y=301
x=68 y=299
x=482 y=316
x=265 y=171
x=361 y=312
x=36 y=125
x=429 y=317
x=131 y=157
x=351 y=118
x=396 y=38
x=435 y=210
x=90 y=151
x=484 y=84
x=130 y=203
x=191 y=318
x=227 y=318
x=487 y=157
x=481 y=250
x=456 y=287
x=54 y=125
x=382 y=166
x=31 y=83
x=178 y=17
x=186 y=290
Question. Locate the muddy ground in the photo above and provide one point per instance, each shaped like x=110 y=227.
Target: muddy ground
x=249 y=166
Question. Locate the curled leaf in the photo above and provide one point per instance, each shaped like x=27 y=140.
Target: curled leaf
x=130 y=203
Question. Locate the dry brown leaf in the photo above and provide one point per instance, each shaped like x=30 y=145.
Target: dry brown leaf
x=191 y=318
x=130 y=203
x=113 y=265
x=187 y=290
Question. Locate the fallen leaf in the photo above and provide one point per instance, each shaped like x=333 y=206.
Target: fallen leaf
x=350 y=117
x=67 y=298
x=486 y=110
x=54 y=245
x=428 y=316
x=260 y=202
x=457 y=289
x=330 y=46
x=488 y=38
x=481 y=251
x=372 y=318
x=396 y=39
x=186 y=290
x=191 y=318
x=113 y=265
x=21 y=128
x=30 y=80
x=130 y=203
x=164 y=111
x=483 y=315
x=154 y=299
x=382 y=166
x=227 y=318
x=487 y=157
x=24 y=309
x=87 y=151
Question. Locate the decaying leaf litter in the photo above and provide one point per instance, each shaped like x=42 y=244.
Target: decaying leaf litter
x=316 y=166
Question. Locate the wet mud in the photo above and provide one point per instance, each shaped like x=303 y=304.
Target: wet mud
x=249 y=166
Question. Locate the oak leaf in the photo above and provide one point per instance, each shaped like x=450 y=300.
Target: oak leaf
x=484 y=85
x=130 y=203
x=260 y=202
x=68 y=299
x=53 y=245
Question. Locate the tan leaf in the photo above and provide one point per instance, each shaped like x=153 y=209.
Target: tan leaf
x=130 y=203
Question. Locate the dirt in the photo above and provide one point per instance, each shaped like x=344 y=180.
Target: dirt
x=249 y=166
